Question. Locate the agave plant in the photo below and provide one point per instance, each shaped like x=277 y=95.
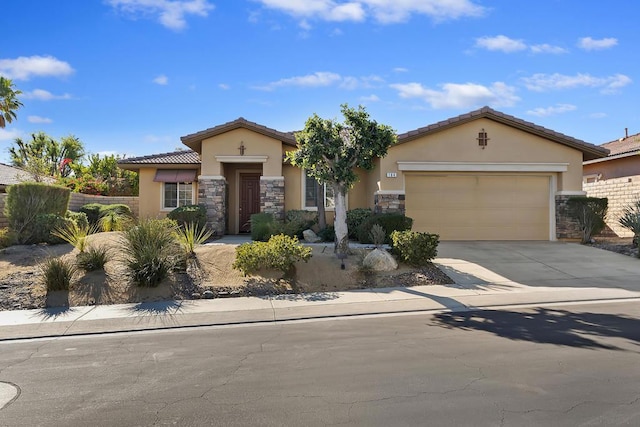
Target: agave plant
x=630 y=219
x=192 y=235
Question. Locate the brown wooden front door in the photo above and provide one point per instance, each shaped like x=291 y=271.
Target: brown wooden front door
x=249 y=199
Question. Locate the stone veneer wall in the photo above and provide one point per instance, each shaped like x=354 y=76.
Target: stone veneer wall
x=272 y=196
x=389 y=203
x=621 y=192
x=567 y=227
x=212 y=193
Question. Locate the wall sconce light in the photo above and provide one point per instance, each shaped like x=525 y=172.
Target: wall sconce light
x=482 y=138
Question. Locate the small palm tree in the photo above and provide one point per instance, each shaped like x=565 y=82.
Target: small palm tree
x=630 y=219
x=8 y=102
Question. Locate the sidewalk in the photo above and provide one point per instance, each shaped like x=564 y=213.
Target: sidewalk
x=252 y=310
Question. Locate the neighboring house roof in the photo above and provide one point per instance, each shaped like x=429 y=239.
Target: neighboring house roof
x=623 y=147
x=10 y=175
x=589 y=151
x=183 y=157
x=194 y=140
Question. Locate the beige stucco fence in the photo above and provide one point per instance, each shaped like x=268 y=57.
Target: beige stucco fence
x=78 y=200
x=621 y=192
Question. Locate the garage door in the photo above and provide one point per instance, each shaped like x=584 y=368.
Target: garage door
x=479 y=207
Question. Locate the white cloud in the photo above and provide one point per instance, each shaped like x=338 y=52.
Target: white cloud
x=547 y=48
x=552 y=111
x=25 y=67
x=500 y=43
x=400 y=70
x=370 y=98
x=224 y=86
x=43 y=95
x=453 y=95
x=324 y=79
x=587 y=43
x=598 y=115
x=38 y=119
x=161 y=80
x=544 y=82
x=170 y=13
x=382 y=11
x=9 y=134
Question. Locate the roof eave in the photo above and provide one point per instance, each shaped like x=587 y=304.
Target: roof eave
x=613 y=157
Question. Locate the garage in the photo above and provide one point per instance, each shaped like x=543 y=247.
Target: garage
x=473 y=206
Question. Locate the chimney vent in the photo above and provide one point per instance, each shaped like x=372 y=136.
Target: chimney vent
x=626 y=132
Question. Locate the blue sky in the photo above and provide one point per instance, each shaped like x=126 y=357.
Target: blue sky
x=132 y=76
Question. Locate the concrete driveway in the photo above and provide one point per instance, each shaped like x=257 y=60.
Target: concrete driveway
x=537 y=264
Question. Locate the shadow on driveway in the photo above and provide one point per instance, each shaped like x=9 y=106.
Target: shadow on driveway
x=547 y=326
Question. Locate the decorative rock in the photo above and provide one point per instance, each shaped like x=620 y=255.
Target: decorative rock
x=195 y=295
x=310 y=237
x=208 y=294
x=380 y=260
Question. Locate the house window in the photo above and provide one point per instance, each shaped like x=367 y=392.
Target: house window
x=311 y=188
x=176 y=194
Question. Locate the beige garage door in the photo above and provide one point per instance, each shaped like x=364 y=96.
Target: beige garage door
x=479 y=207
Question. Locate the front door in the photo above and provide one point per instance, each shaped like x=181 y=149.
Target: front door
x=249 y=199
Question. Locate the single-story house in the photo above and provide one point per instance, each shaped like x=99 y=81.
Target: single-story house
x=484 y=175
x=10 y=175
x=616 y=177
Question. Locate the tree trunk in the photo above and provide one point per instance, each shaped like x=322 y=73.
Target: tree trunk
x=340 y=222
x=322 y=215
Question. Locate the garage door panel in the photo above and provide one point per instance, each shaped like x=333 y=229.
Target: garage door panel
x=479 y=207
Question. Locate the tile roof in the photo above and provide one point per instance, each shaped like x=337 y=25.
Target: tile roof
x=10 y=175
x=590 y=151
x=182 y=157
x=193 y=140
x=625 y=145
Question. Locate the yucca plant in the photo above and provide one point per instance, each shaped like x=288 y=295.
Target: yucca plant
x=630 y=219
x=192 y=235
x=115 y=220
x=151 y=251
x=57 y=274
x=94 y=258
x=74 y=234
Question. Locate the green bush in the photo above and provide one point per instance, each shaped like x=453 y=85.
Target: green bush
x=390 y=222
x=328 y=234
x=28 y=200
x=355 y=217
x=263 y=226
x=96 y=211
x=44 y=226
x=415 y=248
x=57 y=274
x=298 y=220
x=6 y=237
x=115 y=218
x=151 y=251
x=281 y=252
x=79 y=218
x=94 y=258
x=630 y=219
x=590 y=212
x=92 y=212
x=190 y=214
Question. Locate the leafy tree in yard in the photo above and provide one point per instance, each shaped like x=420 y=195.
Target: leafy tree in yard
x=330 y=151
x=45 y=155
x=8 y=102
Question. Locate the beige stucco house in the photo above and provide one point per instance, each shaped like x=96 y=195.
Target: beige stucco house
x=484 y=175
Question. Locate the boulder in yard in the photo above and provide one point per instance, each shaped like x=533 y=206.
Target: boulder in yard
x=380 y=260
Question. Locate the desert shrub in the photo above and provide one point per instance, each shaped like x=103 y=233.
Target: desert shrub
x=298 y=220
x=92 y=211
x=263 y=226
x=57 y=274
x=590 y=212
x=190 y=214
x=78 y=217
x=151 y=251
x=377 y=235
x=115 y=218
x=630 y=219
x=389 y=221
x=93 y=258
x=328 y=234
x=96 y=211
x=70 y=232
x=6 y=237
x=28 y=200
x=355 y=217
x=191 y=235
x=414 y=248
x=281 y=252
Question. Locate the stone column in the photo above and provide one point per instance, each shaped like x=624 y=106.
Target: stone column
x=567 y=227
x=272 y=196
x=212 y=193
x=389 y=203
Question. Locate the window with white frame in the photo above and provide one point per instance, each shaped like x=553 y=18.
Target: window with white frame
x=311 y=188
x=176 y=194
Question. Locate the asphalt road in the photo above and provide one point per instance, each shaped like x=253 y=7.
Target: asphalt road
x=561 y=366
